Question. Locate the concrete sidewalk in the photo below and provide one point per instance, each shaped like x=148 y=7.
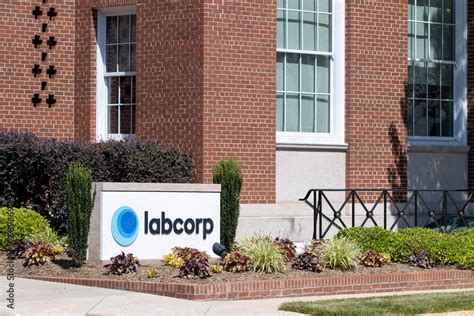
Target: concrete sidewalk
x=47 y=298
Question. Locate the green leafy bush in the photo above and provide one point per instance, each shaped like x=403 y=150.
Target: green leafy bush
x=227 y=174
x=307 y=261
x=375 y=238
x=122 y=264
x=28 y=225
x=236 y=262
x=340 y=253
x=445 y=249
x=38 y=254
x=33 y=170
x=264 y=253
x=79 y=203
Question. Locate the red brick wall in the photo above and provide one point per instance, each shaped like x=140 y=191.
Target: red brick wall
x=239 y=92
x=376 y=73
x=205 y=77
x=470 y=90
x=170 y=75
x=17 y=58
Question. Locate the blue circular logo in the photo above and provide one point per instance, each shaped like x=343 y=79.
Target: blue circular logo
x=125 y=226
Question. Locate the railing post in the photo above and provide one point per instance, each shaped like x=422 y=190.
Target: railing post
x=353 y=207
x=416 y=207
x=445 y=210
x=385 y=209
x=315 y=214
x=320 y=210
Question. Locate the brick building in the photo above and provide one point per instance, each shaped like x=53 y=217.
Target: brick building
x=305 y=93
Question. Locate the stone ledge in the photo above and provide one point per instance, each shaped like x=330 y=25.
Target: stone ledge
x=279 y=288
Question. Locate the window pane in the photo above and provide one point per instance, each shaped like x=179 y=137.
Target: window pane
x=434 y=80
x=292 y=72
x=134 y=89
x=132 y=57
x=113 y=84
x=448 y=42
x=447 y=119
x=420 y=118
x=434 y=129
x=420 y=80
x=309 y=31
x=281 y=3
x=324 y=29
x=447 y=81
x=436 y=8
x=322 y=115
x=448 y=16
x=125 y=90
x=281 y=22
x=133 y=27
x=422 y=10
x=436 y=35
x=280 y=72
x=113 y=120
x=125 y=119
x=111 y=30
x=292 y=113
x=309 y=5
x=411 y=39
x=280 y=113
x=410 y=117
x=307 y=73
x=323 y=75
x=324 y=5
x=421 y=40
x=293 y=4
x=411 y=9
x=133 y=118
x=124 y=29
x=307 y=113
x=294 y=30
x=111 y=58
x=124 y=58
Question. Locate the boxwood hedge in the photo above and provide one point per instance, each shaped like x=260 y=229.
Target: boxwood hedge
x=33 y=170
x=445 y=249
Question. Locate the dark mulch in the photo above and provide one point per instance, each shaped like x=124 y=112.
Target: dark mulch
x=62 y=266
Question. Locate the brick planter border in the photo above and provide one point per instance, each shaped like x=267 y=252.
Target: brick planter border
x=277 y=288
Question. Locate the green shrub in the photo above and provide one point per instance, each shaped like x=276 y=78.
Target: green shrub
x=445 y=249
x=26 y=225
x=33 y=170
x=227 y=174
x=265 y=255
x=375 y=238
x=79 y=203
x=340 y=253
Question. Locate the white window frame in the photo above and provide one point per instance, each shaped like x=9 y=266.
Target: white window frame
x=101 y=86
x=460 y=87
x=335 y=137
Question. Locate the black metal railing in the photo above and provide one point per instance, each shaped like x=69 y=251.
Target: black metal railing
x=443 y=210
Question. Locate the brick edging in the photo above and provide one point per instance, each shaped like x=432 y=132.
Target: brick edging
x=258 y=289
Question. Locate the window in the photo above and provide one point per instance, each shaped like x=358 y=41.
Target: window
x=310 y=62
x=435 y=29
x=116 y=73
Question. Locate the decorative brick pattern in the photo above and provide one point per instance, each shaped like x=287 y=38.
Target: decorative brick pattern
x=376 y=74
x=259 y=289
